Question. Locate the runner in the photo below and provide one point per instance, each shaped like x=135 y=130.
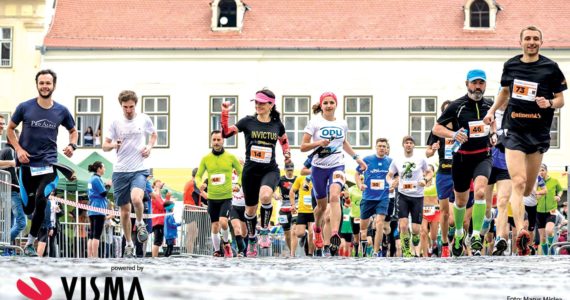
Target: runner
x=127 y=136
x=97 y=193
x=260 y=172
x=473 y=159
x=375 y=192
x=329 y=139
x=550 y=194
x=414 y=174
x=219 y=165
x=157 y=204
x=532 y=85
x=305 y=219
x=36 y=149
x=237 y=212
x=443 y=180
x=430 y=221
x=287 y=208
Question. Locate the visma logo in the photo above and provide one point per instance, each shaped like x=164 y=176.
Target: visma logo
x=42 y=291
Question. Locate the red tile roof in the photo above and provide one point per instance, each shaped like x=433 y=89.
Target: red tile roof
x=305 y=24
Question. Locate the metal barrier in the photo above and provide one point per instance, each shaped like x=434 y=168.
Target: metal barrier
x=195 y=236
x=6 y=211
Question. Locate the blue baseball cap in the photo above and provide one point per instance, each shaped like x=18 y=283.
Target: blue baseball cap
x=476 y=74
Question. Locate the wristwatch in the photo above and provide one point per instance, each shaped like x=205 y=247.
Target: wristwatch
x=73 y=146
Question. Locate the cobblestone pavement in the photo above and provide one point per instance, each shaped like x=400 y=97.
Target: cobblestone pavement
x=303 y=278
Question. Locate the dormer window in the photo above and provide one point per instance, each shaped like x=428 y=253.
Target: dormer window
x=480 y=14
x=227 y=15
x=479 y=11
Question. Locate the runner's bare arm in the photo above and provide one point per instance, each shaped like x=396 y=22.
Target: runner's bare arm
x=15 y=142
x=306 y=145
x=501 y=100
x=73 y=136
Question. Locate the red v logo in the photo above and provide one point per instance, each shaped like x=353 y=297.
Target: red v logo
x=42 y=291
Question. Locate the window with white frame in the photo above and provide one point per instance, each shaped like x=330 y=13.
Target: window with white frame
x=296 y=114
x=555 y=130
x=479 y=11
x=158 y=109
x=422 y=117
x=6 y=120
x=5 y=47
x=88 y=112
x=480 y=14
x=358 y=116
x=216 y=114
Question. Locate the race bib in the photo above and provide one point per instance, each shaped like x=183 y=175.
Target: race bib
x=260 y=154
x=345 y=218
x=307 y=200
x=410 y=186
x=218 y=179
x=36 y=171
x=448 y=152
x=478 y=129
x=429 y=210
x=524 y=90
x=283 y=219
x=377 y=184
x=356 y=221
x=338 y=176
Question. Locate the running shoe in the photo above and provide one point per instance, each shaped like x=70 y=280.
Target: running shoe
x=318 y=237
x=500 y=247
x=476 y=253
x=29 y=251
x=457 y=248
x=532 y=250
x=252 y=247
x=406 y=252
x=379 y=254
x=129 y=252
x=476 y=242
x=217 y=253
x=327 y=252
x=228 y=250
x=334 y=250
x=486 y=226
x=264 y=239
x=318 y=252
x=522 y=243
x=142 y=234
x=335 y=240
x=444 y=251
x=435 y=252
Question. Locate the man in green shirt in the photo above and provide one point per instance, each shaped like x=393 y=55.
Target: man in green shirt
x=220 y=165
x=550 y=190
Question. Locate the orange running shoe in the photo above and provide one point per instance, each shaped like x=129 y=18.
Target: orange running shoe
x=444 y=251
x=318 y=237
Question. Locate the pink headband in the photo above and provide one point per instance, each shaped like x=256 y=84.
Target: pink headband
x=261 y=97
x=327 y=94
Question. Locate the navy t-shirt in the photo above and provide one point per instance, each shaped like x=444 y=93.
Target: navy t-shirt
x=40 y=129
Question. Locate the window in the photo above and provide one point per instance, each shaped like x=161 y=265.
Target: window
x=555 y=130
x=358 y=115
x=3 y=138
x=422 y=118
x=158 y=109
x=296 y=113
x=88 y=120
x=215 y=117
x=5 y=47
x=227 y=13
x=479 y=14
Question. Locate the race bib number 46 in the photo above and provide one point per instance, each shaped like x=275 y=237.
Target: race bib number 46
x=478 y=129
x=260 y=154
x=524 y=90
x=218 y=179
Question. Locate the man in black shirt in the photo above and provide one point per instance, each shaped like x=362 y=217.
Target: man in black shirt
x=532 y=87
x=473 y=158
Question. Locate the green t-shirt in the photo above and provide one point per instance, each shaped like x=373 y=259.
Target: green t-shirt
x=346 y=226
x=220 y=169
x=546 y=202
x=355 y=199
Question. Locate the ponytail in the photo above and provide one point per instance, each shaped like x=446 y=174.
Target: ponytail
x=94 y=166
x=317 y=108
x=274 y=114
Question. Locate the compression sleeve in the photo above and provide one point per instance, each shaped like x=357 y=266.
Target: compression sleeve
x=227 y=130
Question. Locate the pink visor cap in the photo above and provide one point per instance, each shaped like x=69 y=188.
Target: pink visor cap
x=327 y=94
x=261 y=97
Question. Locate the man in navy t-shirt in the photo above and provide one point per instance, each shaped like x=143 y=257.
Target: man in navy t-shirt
x=36 y=148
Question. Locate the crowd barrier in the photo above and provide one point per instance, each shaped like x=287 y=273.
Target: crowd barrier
x=5 y=209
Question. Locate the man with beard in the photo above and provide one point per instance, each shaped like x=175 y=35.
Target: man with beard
x=220 y=166
x=36 y=149
x=473 y=158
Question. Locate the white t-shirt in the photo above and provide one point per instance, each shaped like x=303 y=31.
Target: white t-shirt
x=132 y=134
x=411 y=171
x=321 y=129
x=238 y=199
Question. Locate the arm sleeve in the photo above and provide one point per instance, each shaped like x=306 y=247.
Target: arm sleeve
x=238 y=168
x=227 y=130
x=201 y=170
x=283 y=140
x=448 y=114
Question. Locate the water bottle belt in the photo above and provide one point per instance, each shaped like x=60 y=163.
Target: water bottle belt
x=474 y=151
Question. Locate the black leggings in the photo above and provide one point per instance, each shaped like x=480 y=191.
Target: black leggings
x=254 y=177
x=96 y=226
x=36 y=190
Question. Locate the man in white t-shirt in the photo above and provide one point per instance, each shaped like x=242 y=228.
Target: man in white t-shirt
x=414 y=174
x=127 y=135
